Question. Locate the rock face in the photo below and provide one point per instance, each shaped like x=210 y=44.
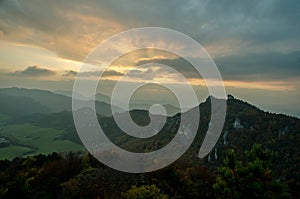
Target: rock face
x=225 y=142
x=237 y=124
x=230 y=97
x=216 y=154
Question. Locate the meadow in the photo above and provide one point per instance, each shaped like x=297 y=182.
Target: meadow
x=27 y=139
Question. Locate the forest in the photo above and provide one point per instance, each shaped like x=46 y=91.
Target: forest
x=79 y=175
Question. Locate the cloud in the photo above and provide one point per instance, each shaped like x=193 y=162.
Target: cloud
x=140 y=74
x=248 y=67
x=107 y=73
x=73 y=29
x=179 y=64
x=70 y=29
x=34 y=71
x=260 y=66
x=110 y=73
x=70 y=73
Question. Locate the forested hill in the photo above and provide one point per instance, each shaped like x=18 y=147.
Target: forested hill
x=272 y=167
x=245 y=126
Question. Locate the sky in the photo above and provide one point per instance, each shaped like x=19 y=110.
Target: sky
x=255 y=44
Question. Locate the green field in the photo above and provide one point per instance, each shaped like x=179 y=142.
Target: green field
x=13 y=151
x=43 y=140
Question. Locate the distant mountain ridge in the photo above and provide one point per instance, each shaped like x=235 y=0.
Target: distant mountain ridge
x=20 y=105
x=61 y=100
x=53 y=102
x=99 y=96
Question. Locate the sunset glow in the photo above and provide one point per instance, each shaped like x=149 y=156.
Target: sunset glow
x=43 y=44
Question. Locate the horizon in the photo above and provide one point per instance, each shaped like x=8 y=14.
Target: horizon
x=135 y=103
x=43 y=46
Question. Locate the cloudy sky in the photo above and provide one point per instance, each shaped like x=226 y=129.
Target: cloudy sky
x=255 y=44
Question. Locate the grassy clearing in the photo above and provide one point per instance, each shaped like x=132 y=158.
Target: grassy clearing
x=44 y=139
x=13 y=151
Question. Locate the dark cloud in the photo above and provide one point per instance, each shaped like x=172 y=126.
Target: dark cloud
x=254 y=22
x=258 y=67
x=34 y=71
x=70 y=73
x=107 y=73
x=110 y=73
x=179 y=64
x=140 y=74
